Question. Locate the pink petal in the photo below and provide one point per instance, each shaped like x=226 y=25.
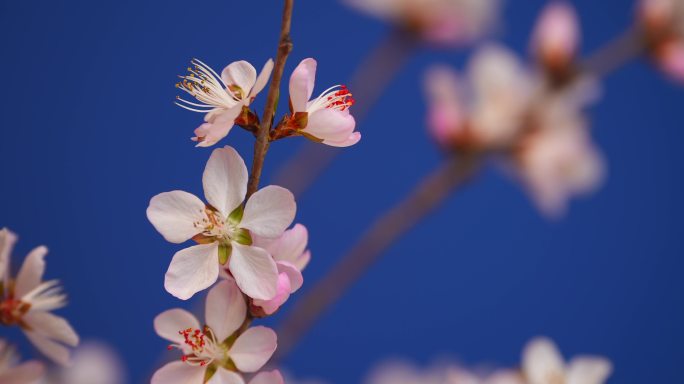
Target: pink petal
x=302 y=84
x=25 y=373
x=254 y=270
x=288 y=247
x=293 y=274
x=192 y=270
x=225 y=180
x=226 y=309
x=51 y=326
x=348 y=142
x=253 y=349
x=445 y=117
x=269 y=211
x=671 y=60
x=31 y=272
x=7 y=241
x=173 y=214
x=273 y=377
x=541 y=360
x=330 y=125
x=240 y=73
x=283 y=293
x=223 y=376
x=589 y=370
x=178 y=372
x=557 y=34
x=263 y=78
x=53 y=350
x=169 y=323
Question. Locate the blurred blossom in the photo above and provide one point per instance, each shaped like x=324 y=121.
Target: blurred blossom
x=556 y=36
x=445 y=106
x=663 y=24
x=543 y=364
x=93 y=363
x=12 y=371
x=462 y=376
x=449 y=22
x=400 y=372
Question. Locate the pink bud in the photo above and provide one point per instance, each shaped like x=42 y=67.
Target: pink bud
x=556 y=36
x=445 y=116
x=671 y=59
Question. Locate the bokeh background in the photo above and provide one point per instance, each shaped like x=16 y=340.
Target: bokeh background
x=90 y=133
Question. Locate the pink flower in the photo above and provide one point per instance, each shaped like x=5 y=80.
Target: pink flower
x=543 y=364
x=223 y=97
x=326 y=118
x=223 y=228
x=291 y=256
x=446 y=117
x=216 y=347
x=13 y=372
x=28 y=300
x=556 y=36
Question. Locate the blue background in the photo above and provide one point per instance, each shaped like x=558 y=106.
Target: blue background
x=89 y=134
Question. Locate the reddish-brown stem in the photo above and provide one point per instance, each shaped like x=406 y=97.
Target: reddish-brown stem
x=262 y=140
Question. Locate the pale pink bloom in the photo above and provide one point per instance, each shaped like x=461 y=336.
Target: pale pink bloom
x=671 y=59
x=446 y=117
x=400 y=372
x=223 y=228
x=291 y=256
x=92 y=363
x=663 y=15
x=462 y=376
x=212 y=347
x=28 y=300
x=221 y=97
x=448 y=22
x=557 y=34
x=543 y=364
x=327 y=117
x=14 y=372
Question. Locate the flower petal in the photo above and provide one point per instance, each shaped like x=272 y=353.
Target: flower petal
x=348 y=142
x=273 y=377
x=302 y=84
x=288 y=247
x=179 y=373
x=223 y=376
x=192 y=270
x=209 y=134
x=25 y=373
x=240 y=73
x=269 y=211
x=556 y=35
x=283 y=293
x=263 y=78
x=331 y=125
x=254 y=270
x=53 y=350
x=542 y=360
x=225 y=309
x=173 y=214
x=589 y=370
x=51 y=326
x=253 y=348
x=7 y=240
x=169 y=323
x=225 y=180
x=31 y=272
x=293 y=274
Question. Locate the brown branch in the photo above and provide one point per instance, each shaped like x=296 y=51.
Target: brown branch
x=262 y=141
x=611 y=56
x=434 y=189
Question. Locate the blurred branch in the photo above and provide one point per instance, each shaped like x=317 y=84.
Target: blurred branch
x=614 y=54
x=262 y=141
x=435 y=188
x=371 y=78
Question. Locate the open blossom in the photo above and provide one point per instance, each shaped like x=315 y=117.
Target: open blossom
x=216 y=352
x=14 y=372
x=223 y=97
x=27 y=301
x=556 y=36
x=326 y=118
x=223 y=228
x=449 y=22
x=663 y=22
x=543 y=364
x=291 y=256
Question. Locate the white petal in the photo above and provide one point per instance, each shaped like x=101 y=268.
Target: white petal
x=542 y=360
x=269 y=211
x=353 y=138
x=192 y=270
x=26 y=373
x=53 y=350
x=225 y=309
x=169 y=323
x=263 y=78
x=330 y=125
x=289 y=247
x=174 y=213
x=51 y=326
x=179 y=373
x=7 y=240
x=302 y=84
x=254 y=270
x=31 y=272
x=223 y=376
x=589 y=370
x=225 y=180
x=273 y=377
x=294 y=274
x=240 y=73
x=253 y=349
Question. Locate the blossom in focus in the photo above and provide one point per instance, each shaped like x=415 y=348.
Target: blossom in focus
x=444 y=22
x=216 y=352
x=543 y=364
x=223 y=229
x=663 y=24
x=291 y=256
x=14 y=372
x=27 y=301
x=222 y=98
x=326 y=118
x=92 y=363
x=556 y=36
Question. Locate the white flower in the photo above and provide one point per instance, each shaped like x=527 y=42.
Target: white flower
x=291 y=256
x=223 y=228
x=13 y=372
x=27 y=302
x=448 y=22
x=543 y=364
x=216 y=350
x=326 y=118
x=223 y=97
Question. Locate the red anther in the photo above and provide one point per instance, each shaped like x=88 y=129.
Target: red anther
x=184 y=358
x=168 y=348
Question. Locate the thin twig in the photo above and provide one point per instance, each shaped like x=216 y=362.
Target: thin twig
x=454 y=172
x=614 y=54
x=262 y=141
